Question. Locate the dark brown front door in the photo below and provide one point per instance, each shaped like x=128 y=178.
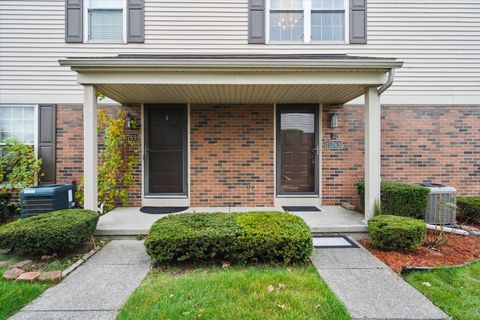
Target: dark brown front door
x=297 y=150
x=165 y=149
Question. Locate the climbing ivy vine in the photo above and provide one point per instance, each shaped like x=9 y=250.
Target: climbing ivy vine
x=116 y=164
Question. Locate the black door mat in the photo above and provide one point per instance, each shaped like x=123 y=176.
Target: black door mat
x=333 y=242
x=302 y=209
x=162 y=210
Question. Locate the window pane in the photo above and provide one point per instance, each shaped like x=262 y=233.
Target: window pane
x=328 y=4
x=105 y=25
x=17 y=123
x=328 y=26
x=286 y=26
x=286 y=4
x=106 y=4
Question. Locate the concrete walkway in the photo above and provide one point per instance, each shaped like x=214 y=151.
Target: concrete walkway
x=97 y=289
x=369 y=289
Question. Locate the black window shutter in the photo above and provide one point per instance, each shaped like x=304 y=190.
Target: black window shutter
x=46 y=142
x=256 y=21
x=74 y=21
x=135 y=21
x=358 y=21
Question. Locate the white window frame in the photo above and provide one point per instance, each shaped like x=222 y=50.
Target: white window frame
x=35 y=123
x=307 y=25
x=86 y=5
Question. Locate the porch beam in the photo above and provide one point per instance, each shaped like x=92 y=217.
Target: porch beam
x=372 y=150
x=90 y=179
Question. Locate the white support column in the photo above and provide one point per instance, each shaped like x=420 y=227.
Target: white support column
x=90 y=178
x=372 y=150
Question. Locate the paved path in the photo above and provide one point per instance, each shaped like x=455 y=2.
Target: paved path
x=97 y=289
x=370 y=289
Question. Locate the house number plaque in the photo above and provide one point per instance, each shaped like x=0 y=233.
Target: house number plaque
x=131 y=137
x=334 y=145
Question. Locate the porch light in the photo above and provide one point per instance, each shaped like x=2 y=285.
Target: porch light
x=333 y=120
x=128 y=121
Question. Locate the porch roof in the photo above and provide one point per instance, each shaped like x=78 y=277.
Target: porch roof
x=232 y=79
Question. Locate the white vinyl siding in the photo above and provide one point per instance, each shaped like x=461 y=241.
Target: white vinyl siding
x=438 y=40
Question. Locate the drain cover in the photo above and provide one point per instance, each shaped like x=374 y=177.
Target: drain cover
x=333 y=242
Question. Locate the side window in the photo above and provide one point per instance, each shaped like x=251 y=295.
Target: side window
x=105 y=20
x=17 y=122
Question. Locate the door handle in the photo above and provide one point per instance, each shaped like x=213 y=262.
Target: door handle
x=316 y=151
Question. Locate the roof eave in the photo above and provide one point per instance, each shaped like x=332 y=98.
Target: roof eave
x=111 y=64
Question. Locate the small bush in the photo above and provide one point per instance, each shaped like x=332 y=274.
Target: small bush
x=238 y=237
x=4 y=205
x=469 y=208
x=400 y=198
x=389 y=232
x=59 y=231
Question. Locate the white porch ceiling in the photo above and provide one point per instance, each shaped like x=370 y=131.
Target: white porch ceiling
x=231 y=94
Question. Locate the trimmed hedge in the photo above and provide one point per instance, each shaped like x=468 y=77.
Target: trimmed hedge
x=236 y=237
x=469 y=208
x=396 y=233
x=400 y=198
x=59 y=231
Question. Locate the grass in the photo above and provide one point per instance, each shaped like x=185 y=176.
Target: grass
x=234 y=293
x=15 y=295
x=455 y=290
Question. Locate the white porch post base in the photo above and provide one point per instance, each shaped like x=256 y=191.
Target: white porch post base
x=372 y=150
x=90 y=182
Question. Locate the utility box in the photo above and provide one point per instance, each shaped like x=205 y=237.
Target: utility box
x=442 y=202
x=45 y=198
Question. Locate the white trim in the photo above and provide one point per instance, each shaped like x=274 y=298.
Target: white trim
x=86 y=39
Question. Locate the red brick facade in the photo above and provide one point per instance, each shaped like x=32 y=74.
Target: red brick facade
x=69 y=147
x=231 y=155
x=232 y=151
x=439 y=144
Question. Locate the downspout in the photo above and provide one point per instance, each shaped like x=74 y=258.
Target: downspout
x=388 y=84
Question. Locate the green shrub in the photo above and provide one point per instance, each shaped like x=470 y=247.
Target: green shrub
x=237 y=237
x=59 y=231
x=469 y=208
x=4 y=205
x=400 y=198
x=397 y=233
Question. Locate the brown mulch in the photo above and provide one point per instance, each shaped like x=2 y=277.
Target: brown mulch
x=457 y=250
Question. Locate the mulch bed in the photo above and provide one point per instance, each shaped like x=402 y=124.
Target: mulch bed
x=457 y=250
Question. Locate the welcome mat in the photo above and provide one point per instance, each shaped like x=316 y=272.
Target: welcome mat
x=302 y=209
x=338 y=242
x=162 y=210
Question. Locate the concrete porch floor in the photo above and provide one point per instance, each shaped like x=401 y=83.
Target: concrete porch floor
x=129 y=221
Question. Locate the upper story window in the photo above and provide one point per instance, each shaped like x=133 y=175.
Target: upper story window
x=307 y=21
x=17 y=122
x=105 y=20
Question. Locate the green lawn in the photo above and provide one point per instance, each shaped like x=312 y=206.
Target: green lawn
x=15 y=295
x=234 y=293
x=456 y=290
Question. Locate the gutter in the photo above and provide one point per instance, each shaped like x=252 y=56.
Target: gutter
x=388 y=84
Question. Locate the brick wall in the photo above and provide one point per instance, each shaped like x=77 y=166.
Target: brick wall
x=231 y=155
x=69 y=146
x=439 y=144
